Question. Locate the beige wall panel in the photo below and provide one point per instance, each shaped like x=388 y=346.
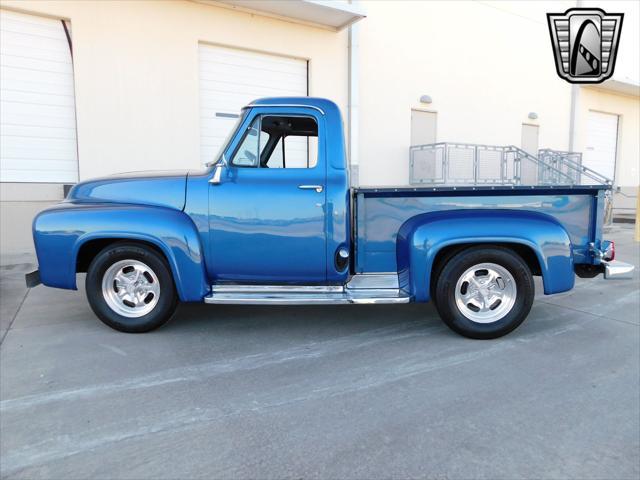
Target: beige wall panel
x=15 y=226
x=19 y=203
x=36 y=192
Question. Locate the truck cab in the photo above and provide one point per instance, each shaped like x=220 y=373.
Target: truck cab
x=280 y=186
x=272 y=220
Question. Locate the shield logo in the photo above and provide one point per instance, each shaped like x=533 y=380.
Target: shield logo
x=585 y=43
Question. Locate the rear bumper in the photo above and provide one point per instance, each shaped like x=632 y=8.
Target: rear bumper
x=612 y=269
x=615 y=269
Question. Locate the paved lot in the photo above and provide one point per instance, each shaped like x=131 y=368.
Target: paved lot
x=322 y=392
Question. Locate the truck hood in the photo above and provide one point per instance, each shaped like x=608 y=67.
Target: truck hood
x=162 y=188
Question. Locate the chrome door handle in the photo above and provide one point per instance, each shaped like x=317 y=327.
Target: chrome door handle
x=317 y=188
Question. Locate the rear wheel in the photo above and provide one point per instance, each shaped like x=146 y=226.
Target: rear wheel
x=130 y=288
x=484 y=292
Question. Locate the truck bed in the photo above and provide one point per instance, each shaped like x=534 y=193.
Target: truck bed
x=380 y=211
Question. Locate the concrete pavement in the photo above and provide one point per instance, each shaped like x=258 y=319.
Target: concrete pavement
x=322 y=392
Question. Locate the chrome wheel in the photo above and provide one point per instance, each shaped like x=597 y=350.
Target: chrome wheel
x=130 y=288
x=485 y=293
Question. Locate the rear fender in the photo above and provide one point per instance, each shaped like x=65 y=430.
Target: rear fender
x=422 y=237
x=60 y=232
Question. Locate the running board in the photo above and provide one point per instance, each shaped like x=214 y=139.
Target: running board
x=362 y=289
x=295 y=298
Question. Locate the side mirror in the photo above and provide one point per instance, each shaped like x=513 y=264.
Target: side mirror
x=217 y=171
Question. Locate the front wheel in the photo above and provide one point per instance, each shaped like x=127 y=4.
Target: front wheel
x=130 y=288
x=484 y=292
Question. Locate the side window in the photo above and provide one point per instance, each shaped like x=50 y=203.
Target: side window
x=247 y=153
x=279 y=142
x=293 y=142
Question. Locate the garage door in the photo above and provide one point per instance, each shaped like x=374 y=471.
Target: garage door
x=601 y=143
x=37 y=108
x=230 y=79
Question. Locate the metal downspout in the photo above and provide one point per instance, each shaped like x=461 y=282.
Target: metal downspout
x=353 y=119
x=575 y=91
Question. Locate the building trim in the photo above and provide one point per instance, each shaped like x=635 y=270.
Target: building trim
x=328 y=15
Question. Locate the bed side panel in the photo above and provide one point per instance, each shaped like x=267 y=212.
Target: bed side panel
x=380 y=217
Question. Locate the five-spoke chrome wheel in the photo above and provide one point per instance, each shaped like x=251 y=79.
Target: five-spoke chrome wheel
x=485 y=292
x=131 y=288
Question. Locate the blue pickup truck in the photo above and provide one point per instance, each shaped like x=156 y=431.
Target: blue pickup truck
x=273 y=221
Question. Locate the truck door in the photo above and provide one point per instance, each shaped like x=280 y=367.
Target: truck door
x=267 y=213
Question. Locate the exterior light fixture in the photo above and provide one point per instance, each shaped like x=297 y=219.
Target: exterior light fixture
x=425 y=99
x=533 y=115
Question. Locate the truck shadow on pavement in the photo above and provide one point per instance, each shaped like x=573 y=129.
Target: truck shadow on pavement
x=300 y=318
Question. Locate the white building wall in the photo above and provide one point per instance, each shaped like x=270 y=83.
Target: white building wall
x=463 y=55
x=136 y=73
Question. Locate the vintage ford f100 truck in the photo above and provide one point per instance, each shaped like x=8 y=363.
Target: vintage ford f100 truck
x=273 y=220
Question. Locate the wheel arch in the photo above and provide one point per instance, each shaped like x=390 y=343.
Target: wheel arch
x=427 y=240
x=181 y=271
x=66 y=238
x=526 y=252
x=92 y=247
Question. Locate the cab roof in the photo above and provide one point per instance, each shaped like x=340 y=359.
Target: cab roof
x=326 y=106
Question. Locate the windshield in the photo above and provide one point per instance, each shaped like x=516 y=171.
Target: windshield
x=218 y=157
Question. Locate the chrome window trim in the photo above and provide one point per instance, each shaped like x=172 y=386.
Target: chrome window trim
x=288 y=105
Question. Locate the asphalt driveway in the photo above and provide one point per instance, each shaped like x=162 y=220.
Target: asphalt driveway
x=321 y=392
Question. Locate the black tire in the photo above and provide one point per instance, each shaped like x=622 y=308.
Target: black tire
x=438 y=266
x=464 y=260
x=167 y=299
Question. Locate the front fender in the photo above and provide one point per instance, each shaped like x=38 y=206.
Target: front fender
x=61 y=231
x=422 y=237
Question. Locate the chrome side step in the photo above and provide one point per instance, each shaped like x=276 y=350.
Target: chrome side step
x=362 y=289
x=347 y=297
x=274 y=289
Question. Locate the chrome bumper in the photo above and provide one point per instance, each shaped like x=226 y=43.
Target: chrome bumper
x=614 y=269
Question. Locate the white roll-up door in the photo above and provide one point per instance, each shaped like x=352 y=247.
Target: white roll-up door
x=601 y=143
x=230 y=79
x=37 y=105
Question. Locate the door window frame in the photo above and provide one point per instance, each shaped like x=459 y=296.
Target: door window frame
x=246 y=128
x=293 y=111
